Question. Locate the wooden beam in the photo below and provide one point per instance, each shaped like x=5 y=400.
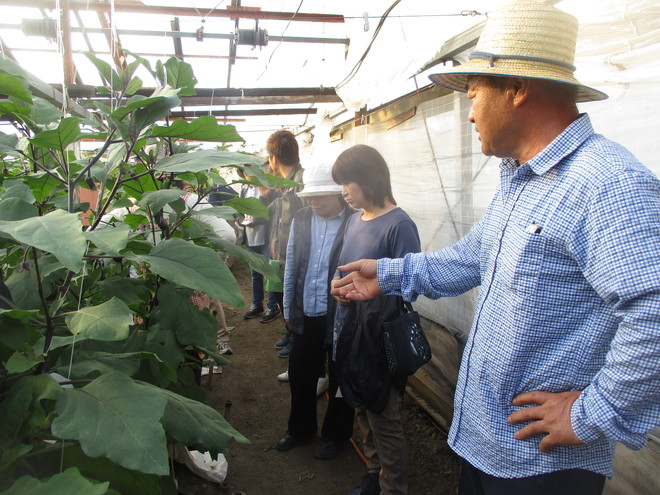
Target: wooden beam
x=114 y=44
x=238 y=13
x=67 y=57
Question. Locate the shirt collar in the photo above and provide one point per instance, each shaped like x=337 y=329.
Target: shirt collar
x=340 y=215
x=293 y=171
x=563 y=145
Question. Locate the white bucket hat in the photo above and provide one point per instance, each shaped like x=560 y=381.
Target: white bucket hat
x=523 y=39
x=318 y=182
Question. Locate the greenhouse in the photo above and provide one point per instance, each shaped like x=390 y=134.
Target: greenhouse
x=144 y=197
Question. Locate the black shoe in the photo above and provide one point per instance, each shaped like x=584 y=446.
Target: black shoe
x=270 y=315
x=288 y=441
x=327 y=449
x=253 y=311
x=369 y=486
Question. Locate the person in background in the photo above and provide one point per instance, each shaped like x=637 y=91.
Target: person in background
x=313 y=252
x=221 y=193
x=381 y=229
x=254 y=235
x=284 y=161
x=561 y=362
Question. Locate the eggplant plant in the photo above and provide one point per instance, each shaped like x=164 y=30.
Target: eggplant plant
x=99 y=339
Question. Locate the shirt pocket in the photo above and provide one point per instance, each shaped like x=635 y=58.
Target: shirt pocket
x=521 y=259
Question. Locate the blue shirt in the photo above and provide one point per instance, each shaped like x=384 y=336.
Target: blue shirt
x=324 y=231
x=568 y=259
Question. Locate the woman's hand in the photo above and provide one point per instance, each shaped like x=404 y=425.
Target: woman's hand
x=340 y=299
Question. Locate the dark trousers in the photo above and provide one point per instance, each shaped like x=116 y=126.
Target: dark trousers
x=306 y=364
x=258 y=282
x=567 y=482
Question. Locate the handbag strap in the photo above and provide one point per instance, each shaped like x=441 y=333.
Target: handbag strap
x=408 y=306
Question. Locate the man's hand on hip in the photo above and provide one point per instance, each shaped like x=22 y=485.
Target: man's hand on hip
x=550 y=416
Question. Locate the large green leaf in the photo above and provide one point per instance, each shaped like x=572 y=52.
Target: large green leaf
x=125 y=481
x=16 y=188
x=20 y=363
x=156 y=200
x=22 y=407
x=248 y=206
x=194 y=267
x=15 y=111
x=110 y=240
x=224 y=212
x=199 y=161
x=24 y=290
x=8 y=144
x=180 y=76
x=87 y=364
x=58 y=232
x=108 y=321
x=197 y=425
x=44 y=112
x=17 y=209
x=161 y=340
x=42 y=185
x=108 y=74
x=15 y=87
x=191 y=326
x=130 y=290
x=204 y=128
x=67 y=132
x=154 y=112
x=66 y=483
x=138 y=102
x=115 y=417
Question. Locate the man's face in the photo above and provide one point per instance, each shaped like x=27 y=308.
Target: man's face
x=491 y=115
x=326 y=206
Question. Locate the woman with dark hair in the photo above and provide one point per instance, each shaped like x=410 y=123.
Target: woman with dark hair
x=380 y=230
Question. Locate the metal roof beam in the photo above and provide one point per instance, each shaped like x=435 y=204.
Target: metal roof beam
x=77 y=90
x=244 y=113
x=238 y=13
x=183 y=34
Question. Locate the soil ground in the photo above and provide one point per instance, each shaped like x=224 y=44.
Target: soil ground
x=259 y=408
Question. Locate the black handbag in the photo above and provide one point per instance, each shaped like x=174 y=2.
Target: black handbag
x=406 y=346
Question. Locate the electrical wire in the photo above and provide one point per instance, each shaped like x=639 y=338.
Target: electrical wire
x=280 y=43
x=357 y=66
x=463 y=13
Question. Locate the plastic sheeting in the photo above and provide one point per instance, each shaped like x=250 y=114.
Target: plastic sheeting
x=443 y=181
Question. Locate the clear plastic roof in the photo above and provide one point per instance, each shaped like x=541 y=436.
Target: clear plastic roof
x=369 y=58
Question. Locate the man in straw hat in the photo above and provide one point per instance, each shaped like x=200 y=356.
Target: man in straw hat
x=562 y=359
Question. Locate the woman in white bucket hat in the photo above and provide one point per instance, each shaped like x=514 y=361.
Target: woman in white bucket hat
x=561 y=362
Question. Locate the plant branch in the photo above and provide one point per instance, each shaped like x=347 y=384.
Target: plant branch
x=40 y=166
x=94 y=159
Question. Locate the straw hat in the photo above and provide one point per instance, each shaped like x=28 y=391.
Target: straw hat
x=523 y=39
x=318 y=182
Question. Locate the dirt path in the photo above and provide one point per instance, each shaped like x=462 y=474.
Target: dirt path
x=259 y=410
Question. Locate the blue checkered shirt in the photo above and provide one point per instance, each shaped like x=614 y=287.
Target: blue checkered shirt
x=568 y=259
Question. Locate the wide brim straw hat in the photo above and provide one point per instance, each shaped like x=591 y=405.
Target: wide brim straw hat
x=523 y=39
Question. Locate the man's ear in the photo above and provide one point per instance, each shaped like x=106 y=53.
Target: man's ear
x=519 y=90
